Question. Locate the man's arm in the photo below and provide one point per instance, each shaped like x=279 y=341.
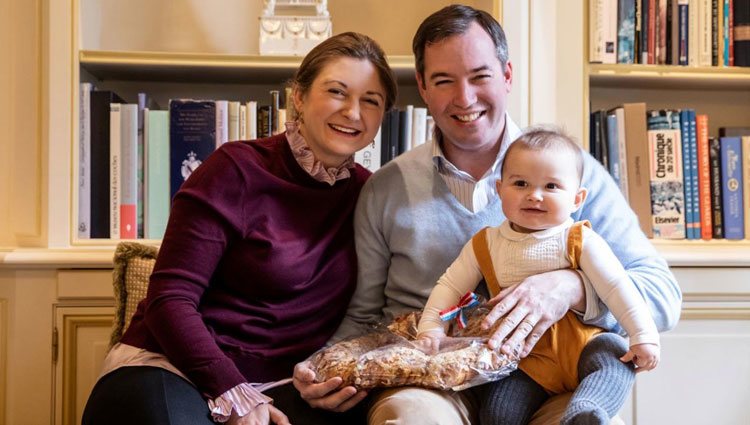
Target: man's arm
x=373 y=258
x=613 y=219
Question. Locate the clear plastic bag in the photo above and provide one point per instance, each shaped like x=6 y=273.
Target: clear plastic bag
x=390 y=358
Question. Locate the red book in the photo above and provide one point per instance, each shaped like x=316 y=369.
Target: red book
x=704 y=176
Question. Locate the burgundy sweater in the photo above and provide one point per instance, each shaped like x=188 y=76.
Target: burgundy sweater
x=256 y=268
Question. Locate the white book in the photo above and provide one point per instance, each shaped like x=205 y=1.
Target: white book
x=243 y=122
x=281 y=121
x=408 y=125
x=419 y=127
x=609 y=31
x=667 y=185
x=234 y=120
x=114 y=170
x=623 y=155
x=369 y=156
x=128 y=171
x=222 y=122
x=252 y=120
x=704 y=33
x=693 y=31
x=430 y=128
x=84 y=161
x=596 y=30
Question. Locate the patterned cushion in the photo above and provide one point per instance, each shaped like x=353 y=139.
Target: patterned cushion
x=133 y=263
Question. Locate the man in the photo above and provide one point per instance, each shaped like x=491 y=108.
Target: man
x=416 y=213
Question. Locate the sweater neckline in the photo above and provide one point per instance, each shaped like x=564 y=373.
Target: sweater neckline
x=507 y=231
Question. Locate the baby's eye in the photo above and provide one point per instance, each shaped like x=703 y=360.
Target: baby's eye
x=552 y=186
x=520 y=183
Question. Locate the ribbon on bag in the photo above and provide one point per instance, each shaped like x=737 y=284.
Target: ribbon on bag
x=469 y=300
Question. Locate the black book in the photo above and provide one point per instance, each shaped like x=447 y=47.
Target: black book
x=385 y=139
x=265 y=123
x=714 y=164
x=403 y=132
x=741 y=33
x=100 y=101
x=395 y=133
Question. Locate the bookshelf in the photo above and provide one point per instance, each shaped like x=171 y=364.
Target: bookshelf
x=721 y=92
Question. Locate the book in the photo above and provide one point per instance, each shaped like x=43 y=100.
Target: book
x=693 y=32
x=621 y=150
x=715 y=30
x=704 y=177
x=404 y=131
x=128 y=171
x=637 y=149
x=265 y=125
x=222 y=122
x=157 y=200
x=686 y=136
x=667 y=193
x=626 y=31
x=252 y=120
x=233 y=121
x=714 y=157
x=419 y=126
x=746 y=182
x=243 y=122
x=682 y=36
x=613 y=147
x=731 y=188
x=84 y=161
x=192 y=137
x=369 y=156
x=143 y=102
x=115 y=137
x=695 y=224
x=741 y=39
x=100 y=162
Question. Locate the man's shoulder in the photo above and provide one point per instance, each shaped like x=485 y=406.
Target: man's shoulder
x=409 y=164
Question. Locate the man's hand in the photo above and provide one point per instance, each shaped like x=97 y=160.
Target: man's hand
x=263 y=414
x=324 y=395
x=644 y=356
x=531 y=307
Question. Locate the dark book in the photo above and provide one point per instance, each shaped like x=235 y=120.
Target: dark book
x=714 y=161
x=741 y=22
x=683 y=48
x=192 y=138
x=385 y=139
x=403 y=132
x=644 y=31
x=274 y=111
x=100 y=101
x=265 y=123
x=395 y=133
x=715 y=39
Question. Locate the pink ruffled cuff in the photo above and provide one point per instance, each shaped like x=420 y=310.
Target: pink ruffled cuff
x=243 y=398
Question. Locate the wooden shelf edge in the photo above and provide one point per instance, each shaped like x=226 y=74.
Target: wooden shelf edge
x=705 y=253
x=666 y=76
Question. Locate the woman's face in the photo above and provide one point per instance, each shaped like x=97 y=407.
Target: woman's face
x=342 y=110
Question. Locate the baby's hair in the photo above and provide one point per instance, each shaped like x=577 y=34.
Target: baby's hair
x=544 y=137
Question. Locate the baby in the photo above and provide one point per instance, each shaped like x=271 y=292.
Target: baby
x=540 y=187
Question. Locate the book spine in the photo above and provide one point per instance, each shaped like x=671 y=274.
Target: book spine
x=693 y=152
x=741 y=16
x=746 y=182
x=704 y=177
x=693 y=32
x=626 y=32
x=730 y=34
x=731 y=187
x=252 y=120
x=114 y=170
x=84 y=161
x=609 y=13
x=243 y=122
x=621 y=149
x=275 y=106
x=264 y=121
x=222 y=122
x=157 y=172
x=192 y=138
x=682 y=7
x=637 y=46
x=725 y=34
x=419 y=126
x=596 y=30
x=685 y=136
x=233 y=121
x=143 y=101
x=369 y=157
x=652 y=34
x=661 y=41
x=704 y=40
x=636 y=140
x=613 y=149
x=715 y=32
x=714 y=156
x=100 y=162
x=667 y=193
x=128 y=171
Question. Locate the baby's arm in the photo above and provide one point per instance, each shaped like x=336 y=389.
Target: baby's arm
x=462 y=276
x=613 y=286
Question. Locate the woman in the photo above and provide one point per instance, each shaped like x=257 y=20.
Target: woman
x=257 y=264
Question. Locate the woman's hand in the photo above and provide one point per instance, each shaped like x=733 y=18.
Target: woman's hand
x=531 y=307
x=263 y=414
x=325 y=395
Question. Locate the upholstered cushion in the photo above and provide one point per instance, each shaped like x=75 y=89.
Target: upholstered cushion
x=133 y=263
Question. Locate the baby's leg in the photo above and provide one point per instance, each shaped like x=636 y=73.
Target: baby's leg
x=605 y=382
x=511 y=401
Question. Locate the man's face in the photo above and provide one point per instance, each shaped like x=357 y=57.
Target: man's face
x=466 y=89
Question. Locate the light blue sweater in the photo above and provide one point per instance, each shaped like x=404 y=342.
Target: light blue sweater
x=409 y=228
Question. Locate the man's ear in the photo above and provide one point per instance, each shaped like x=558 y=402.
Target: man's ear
x=421 y=85
x=580 y=198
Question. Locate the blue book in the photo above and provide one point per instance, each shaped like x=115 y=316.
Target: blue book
x=192 y=137
x=731 y=185
x=686 y=137
x=626 y=31
x=156 y=173
x=613 y=148
x=693 y=151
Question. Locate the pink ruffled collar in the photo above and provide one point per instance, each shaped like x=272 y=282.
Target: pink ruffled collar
x=306 y=159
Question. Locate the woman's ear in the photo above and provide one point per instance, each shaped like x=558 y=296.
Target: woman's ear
x=297 y=96
x=580 y=198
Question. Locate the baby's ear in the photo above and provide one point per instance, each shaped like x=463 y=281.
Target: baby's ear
x=498 y=183
x=580 y=198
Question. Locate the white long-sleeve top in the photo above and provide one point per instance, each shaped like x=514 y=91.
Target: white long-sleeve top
x=516 y=256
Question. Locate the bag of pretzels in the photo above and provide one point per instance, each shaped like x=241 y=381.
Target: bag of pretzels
x=390 y=357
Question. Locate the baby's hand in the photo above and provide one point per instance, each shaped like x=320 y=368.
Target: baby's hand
x=644 y=356
x=429 y=342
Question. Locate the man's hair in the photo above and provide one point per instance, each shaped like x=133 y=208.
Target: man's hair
x=546 y=137
x=456 y=20
x=349 y=45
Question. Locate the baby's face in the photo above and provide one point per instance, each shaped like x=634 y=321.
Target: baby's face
x=540 y=188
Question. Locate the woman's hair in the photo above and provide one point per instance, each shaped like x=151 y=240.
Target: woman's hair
x=545 y=137
x=456 y=20
x=350 y=45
